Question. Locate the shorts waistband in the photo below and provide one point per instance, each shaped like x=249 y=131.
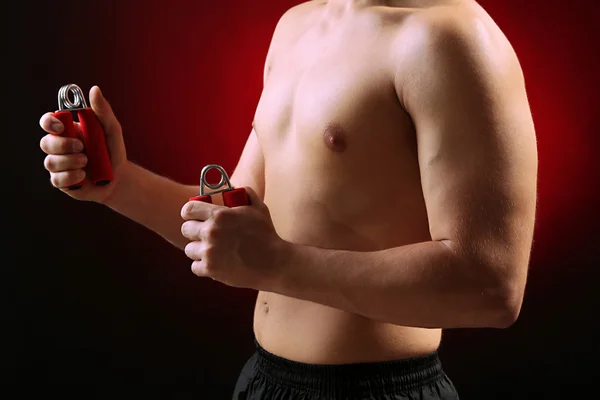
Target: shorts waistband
x=387 y=377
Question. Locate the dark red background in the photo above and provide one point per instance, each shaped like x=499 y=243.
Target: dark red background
x=100 y=300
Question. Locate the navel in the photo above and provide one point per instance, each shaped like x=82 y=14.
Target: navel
x=335 y=138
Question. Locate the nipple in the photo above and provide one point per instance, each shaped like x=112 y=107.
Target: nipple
x=335 y=138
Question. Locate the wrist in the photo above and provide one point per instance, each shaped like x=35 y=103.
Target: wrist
x=122 y=181
x=286 y=256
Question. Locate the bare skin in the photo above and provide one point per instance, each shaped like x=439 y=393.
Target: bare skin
x=373 y=148
x=329 y=119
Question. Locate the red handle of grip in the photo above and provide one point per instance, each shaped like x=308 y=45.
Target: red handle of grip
x=205 y=199
x=99 y=166
x=231 y=198
x=236 y=198
x=71 y=132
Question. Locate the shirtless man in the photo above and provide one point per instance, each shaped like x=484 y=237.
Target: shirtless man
x=392 y=169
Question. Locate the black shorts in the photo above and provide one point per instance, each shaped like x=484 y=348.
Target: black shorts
x=269 y=377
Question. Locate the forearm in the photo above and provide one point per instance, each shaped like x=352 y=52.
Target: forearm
x=421 y=285
x=152 y=201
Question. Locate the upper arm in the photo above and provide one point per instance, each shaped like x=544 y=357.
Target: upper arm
x=250 y=169
x=476 y=148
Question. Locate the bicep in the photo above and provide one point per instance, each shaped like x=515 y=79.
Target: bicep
x=477 y=153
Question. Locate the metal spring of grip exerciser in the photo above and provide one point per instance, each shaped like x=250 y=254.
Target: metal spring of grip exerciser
x=204 y=182
x=65 y=103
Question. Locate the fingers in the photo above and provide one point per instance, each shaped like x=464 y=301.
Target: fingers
x=193 y=230
x=53 y=144
x=65 y=179
x=198 y=210
x=51 y=124
x=66 y=162
x=199 y=269
x=194 y=250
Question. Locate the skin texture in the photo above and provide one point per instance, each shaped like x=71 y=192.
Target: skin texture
x=392 y=168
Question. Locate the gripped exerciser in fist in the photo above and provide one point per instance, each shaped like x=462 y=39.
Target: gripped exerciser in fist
x=99 y=168
x=232 y=197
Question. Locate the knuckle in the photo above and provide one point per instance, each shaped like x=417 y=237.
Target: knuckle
x=196 y=269
x=209 y=251
x=190 y=250
x=63 y=179
x=186 y=211
x=208 y=269
x=221 y=215
x=212 y=232
x=52 y=144
x=50 y=163
x=65 y=146
x=188 y=230
x=184 y=229
x=45 y=143
x=209 y=265
x=42 y=121
x=81 y=160
x=46 y=121
x=54 y=179
x=208 y=233
x=59 y=163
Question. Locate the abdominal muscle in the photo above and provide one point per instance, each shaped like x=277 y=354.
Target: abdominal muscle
x=313 y=333
x=316 y=334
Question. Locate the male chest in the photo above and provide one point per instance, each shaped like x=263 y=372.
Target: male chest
x=320 y=81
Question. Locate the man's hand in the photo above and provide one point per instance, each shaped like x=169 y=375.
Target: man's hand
x=236 y=246
x=65 y=161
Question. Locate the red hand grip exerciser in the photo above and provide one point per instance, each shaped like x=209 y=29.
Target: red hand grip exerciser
x=99 y=169
x=232 y=197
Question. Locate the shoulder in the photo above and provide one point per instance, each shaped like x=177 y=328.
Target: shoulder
x=295 y=18
x=458 y=41
x=302 y=9
x=461 y=31
x=291 y=23
x=287 y=28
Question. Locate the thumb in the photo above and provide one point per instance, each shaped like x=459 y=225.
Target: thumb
x=104 y=112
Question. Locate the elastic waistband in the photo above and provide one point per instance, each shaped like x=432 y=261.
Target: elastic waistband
x=351 y=380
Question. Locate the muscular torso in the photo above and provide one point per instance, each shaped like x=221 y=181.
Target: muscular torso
x=341 y=172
